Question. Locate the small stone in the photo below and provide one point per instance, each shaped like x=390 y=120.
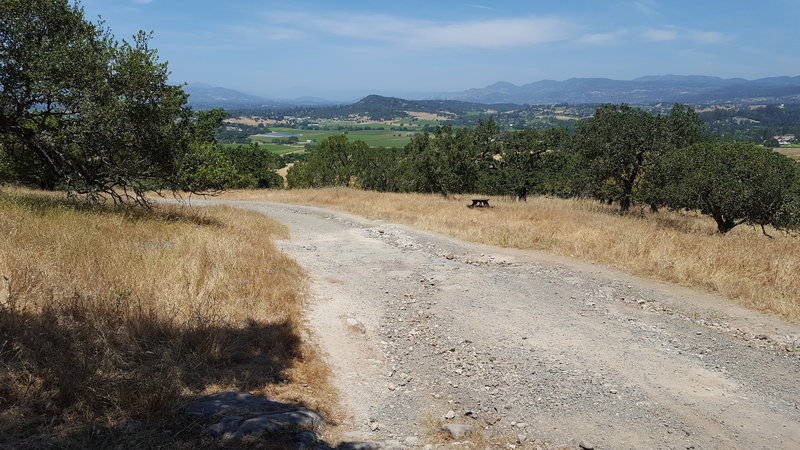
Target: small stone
x=355 y=323
x=522 y=438
x=411 y=440
x=457 y=431
x=360 y=446
x=374 y=426
x=586 y=445
x=450 y=414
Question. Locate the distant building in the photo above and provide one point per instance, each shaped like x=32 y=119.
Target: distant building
x=786 y=139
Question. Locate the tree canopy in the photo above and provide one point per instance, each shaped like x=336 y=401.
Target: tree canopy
x=734 y=183
x=82 y=111
x=620 y=143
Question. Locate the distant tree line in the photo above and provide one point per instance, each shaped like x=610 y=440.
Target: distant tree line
x=759 y=124
x=621 y=155
x=239 y=133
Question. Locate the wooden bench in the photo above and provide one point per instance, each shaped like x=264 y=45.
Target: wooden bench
x=479 y=203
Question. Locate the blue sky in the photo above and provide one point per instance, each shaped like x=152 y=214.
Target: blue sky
x=345 y=49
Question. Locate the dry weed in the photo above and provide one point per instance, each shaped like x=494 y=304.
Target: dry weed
x=111 y=317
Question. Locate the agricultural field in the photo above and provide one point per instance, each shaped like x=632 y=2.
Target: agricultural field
x=792 y=151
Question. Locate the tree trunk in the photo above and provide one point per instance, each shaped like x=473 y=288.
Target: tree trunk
x=624 y=205
x=724 y=225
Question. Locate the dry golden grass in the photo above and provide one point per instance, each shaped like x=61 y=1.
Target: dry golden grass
x=791 y=152
x=744 y=265
x=108 y=316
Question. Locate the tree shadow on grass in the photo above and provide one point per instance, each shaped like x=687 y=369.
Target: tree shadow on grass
x=79 y=377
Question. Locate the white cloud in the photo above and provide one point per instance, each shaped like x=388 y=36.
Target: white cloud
x=672 y=33
x=143 y=2
x=709 y=37
x=652 y=34
x=486 y=34
x=472 y=5
x=646 y=7
x=502 y=33
x=612 y=38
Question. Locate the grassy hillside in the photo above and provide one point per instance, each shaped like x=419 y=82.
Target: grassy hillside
x=755 y=271
x=111 y=319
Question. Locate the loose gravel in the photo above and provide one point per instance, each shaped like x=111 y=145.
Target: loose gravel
x=527 y=350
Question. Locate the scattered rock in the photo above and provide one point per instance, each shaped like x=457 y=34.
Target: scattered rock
x=586 y=445
x=359 y=446
x=450 y=414
x=356 y=324
x=457 y=431
x=264 y=423
x=391 y=445
x=211 y=405
x=251 y=415
x=306 y=440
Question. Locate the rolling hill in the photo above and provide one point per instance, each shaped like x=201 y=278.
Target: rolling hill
x=647 y=90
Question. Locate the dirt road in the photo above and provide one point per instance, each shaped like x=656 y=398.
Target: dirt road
x=533 y=350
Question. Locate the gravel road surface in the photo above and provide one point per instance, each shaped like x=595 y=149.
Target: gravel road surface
x=532 y=350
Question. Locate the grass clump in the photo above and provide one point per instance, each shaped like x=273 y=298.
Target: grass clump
x=111 y=319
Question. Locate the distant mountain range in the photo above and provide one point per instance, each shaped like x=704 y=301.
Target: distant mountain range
x=649 y=90
x=205 y=96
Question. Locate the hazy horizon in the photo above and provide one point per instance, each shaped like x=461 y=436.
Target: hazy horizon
x=353 y=48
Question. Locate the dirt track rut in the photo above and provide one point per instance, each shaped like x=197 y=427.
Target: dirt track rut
x=533 y=350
